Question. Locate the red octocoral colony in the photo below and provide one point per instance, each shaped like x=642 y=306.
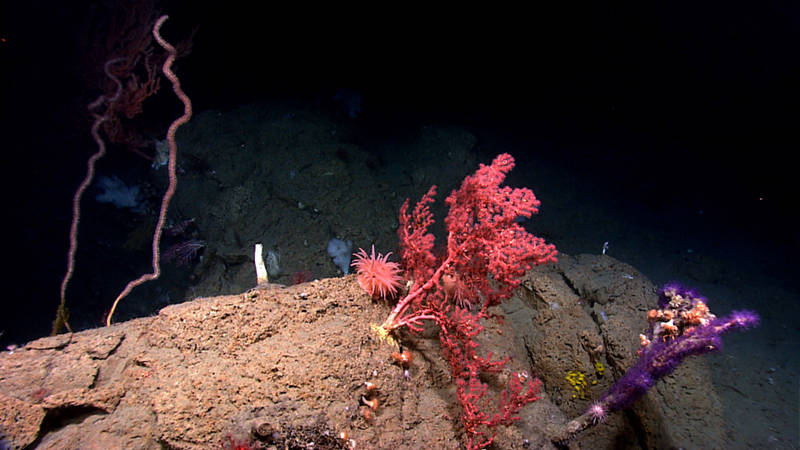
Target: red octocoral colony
x=486 y=254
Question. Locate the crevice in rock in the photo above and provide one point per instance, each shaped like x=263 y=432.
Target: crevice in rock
x=57 y=418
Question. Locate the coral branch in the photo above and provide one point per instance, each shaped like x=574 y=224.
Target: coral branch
x=172 y=167
x=487 y=253
x=183 y=253
x=683 y=326
x=484 y=240
x=61 y=314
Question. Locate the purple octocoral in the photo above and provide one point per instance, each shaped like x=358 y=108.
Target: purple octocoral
x=660 y=357
x=183 y=253
x=673 y=290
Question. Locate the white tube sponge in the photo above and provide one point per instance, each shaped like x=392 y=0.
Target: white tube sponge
x=261 y=269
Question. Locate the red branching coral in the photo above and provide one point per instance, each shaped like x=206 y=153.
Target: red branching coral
x=484 y=243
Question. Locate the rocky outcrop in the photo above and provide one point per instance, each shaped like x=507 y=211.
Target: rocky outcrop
x=286 y=366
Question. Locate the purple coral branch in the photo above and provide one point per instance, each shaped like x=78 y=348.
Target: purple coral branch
x=681 y=327
x=183 y=253
x=660 y=359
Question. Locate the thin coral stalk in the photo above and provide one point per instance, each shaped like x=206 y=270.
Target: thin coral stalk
x=172 y=167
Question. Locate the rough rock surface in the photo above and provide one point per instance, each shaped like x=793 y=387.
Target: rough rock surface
x=591 y=309
x=283 y=367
